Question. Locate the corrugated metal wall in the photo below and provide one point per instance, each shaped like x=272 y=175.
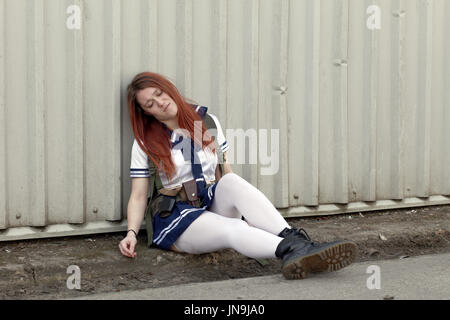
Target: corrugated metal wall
x=362 y=114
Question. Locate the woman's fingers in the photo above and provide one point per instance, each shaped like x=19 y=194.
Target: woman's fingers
x=124 y=244
x=132 y=245
x=123 y=250
x=126 y=247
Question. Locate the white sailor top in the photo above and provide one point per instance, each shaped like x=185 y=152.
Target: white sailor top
x=140 y=164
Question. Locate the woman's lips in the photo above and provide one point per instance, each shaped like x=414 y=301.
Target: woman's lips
x=166 y=107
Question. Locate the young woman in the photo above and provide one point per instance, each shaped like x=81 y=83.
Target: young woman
x=164 y=126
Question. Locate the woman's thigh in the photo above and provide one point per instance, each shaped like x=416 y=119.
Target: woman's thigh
x=206 y=233
x=222 y=203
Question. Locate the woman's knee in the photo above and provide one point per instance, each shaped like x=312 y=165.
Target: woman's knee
x=231 y=180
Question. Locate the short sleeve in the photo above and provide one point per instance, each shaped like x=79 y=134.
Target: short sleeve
x=139 y=162
x=223 y=144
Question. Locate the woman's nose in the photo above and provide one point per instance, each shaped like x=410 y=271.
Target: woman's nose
x=159 y=101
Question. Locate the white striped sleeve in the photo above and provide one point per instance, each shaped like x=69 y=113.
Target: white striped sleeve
x=139 y=162
x=223 y=144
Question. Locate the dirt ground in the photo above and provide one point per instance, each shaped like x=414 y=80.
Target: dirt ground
x=37 y=269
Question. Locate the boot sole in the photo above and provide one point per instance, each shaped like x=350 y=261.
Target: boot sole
x=329 y=259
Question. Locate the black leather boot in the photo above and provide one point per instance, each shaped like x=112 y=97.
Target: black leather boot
x=302 y=256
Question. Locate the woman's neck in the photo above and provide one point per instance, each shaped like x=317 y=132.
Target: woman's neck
x=172 y=124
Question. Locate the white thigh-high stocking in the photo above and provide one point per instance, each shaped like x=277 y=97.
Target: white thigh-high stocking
x=234 y=196
x=211 y=232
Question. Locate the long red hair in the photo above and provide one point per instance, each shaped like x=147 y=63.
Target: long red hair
x=150 y=133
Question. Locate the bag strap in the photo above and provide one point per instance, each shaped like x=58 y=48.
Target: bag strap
x=152 y=193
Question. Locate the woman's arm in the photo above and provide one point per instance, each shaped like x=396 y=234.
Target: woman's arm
x=137 y=203
x=135 y=214
x=226 y=165
x=226 y=168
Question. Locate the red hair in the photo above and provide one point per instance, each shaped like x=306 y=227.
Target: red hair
x=150 y=133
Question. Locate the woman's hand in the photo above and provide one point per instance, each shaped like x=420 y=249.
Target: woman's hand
x=128 y=244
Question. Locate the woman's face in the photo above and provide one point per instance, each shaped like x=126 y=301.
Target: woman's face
x=157 y=103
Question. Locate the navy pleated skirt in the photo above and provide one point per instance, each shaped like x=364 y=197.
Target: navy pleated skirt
x=167 y=230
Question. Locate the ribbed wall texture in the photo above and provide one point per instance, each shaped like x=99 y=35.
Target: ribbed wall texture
x=363 y=115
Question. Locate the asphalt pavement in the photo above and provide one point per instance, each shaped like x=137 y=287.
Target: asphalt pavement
x=421 y=277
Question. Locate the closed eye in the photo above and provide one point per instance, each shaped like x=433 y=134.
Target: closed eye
x=150 y=105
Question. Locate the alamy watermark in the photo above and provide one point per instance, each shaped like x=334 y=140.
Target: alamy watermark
x=373 y=281
x=73 y=21
x=247 y=147
x=374 y=20
x=74 y=280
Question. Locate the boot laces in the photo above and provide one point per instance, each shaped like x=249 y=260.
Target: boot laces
x=302 y=232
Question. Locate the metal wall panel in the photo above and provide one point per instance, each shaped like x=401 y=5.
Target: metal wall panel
x=361 y=114
x=3 y=189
